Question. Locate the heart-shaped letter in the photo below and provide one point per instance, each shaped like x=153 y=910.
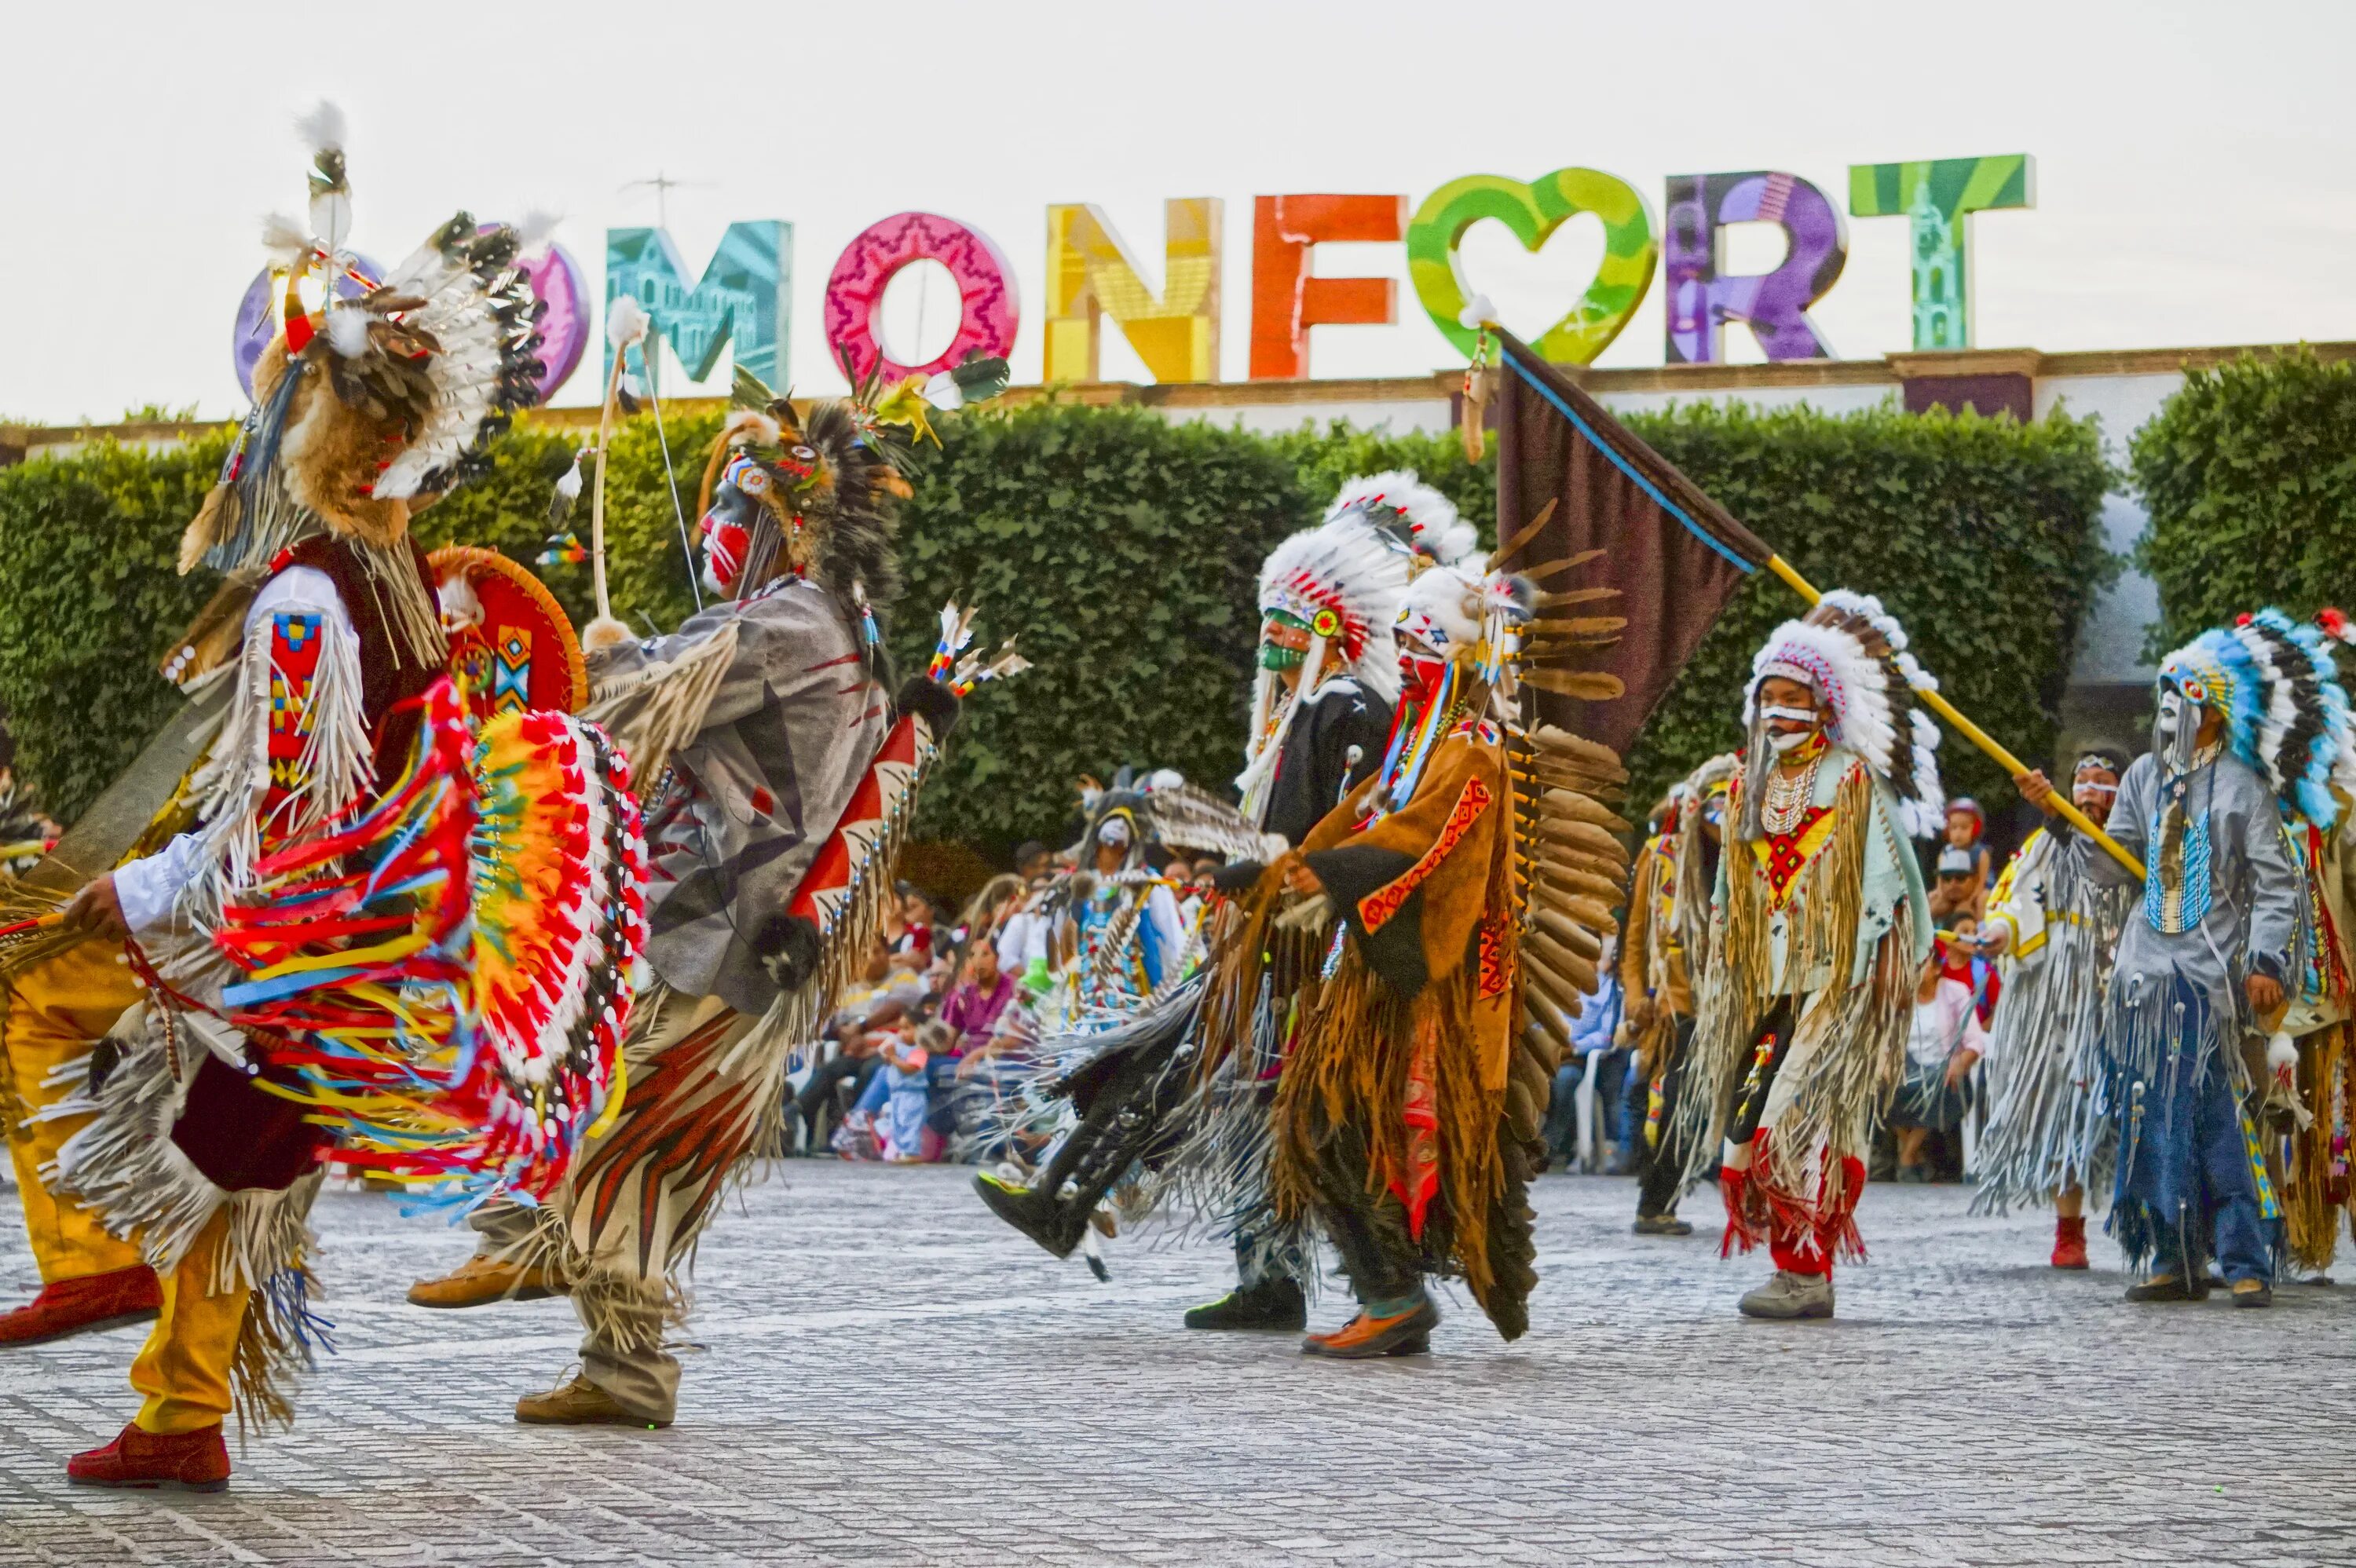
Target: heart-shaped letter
x=1533 y=212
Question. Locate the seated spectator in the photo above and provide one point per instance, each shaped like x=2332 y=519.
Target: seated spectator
x=908 y=1092
x=1593 y=1044
x=1946 y=1038
x=1033 y=861
x=879 y=999
x=973 y=1008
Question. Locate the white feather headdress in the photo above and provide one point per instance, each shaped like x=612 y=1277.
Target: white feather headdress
x=1852 y=653
x=1401 y=500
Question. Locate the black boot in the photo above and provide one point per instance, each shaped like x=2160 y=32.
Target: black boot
x=1118 y=1128
x=1278 y=1303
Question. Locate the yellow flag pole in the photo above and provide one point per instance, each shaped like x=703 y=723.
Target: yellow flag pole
x=1978 y=736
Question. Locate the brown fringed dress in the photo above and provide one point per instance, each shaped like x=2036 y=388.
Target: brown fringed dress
x=1408 y=1119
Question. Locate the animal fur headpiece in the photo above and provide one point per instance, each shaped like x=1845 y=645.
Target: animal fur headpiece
x=814 y=493
x=368 y=408
x=1851 y=653
x=2274 y=682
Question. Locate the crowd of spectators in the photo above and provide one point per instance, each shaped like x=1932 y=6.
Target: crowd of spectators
x=928 y=1049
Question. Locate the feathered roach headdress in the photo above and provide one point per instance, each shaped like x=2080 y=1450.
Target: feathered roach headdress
x=1852 y=654
x=368 y=408
x=814 y=495
x=2274 y=684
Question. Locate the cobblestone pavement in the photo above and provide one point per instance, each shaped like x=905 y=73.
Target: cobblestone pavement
x=887 y=1375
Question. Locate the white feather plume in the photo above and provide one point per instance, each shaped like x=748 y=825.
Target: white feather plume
x=322 y=129
x=626 y=321
x=537 y=229
x=286 y=240
x=347 y=330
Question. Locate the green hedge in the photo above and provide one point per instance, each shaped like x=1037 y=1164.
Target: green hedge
x=1123 y=549
x=2249 y=472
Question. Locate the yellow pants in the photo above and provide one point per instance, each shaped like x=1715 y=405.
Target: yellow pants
x=183 y=1370
x=55 y=1009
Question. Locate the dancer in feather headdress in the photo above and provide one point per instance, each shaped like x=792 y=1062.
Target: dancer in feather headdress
x=2287 y=714
x=2311 y=1103
x=2054 y=924
x=782 y=773
x=1413 y=960
x=312 y=907
x=1819 y=924
x=1666 y=948
x=1329 y=671
x=2209 y=953
x=1322 y=713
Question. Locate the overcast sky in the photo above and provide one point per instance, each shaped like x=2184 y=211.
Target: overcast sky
x=2196 y=163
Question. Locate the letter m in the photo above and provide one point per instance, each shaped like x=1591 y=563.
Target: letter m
x=743 y=301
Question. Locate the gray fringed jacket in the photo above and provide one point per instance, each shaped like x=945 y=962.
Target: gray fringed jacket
x=796 y=722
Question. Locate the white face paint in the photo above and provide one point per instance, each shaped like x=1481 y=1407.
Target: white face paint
x=1786 y=741
x=2171 y=712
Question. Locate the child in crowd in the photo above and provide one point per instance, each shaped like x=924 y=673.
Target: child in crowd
x=1967 y=832
x=1946 y=1040
x=908 y=1090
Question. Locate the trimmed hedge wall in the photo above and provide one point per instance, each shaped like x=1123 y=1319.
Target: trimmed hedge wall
x=2249 y=472
x=1122 y=549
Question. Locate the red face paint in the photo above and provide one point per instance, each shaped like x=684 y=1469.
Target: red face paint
x=725 y=545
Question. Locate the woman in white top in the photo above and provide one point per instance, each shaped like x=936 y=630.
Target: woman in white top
x=1943 y=1041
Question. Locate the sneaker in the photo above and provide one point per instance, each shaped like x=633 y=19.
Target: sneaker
x=1367 y=1339
x=479 y=1281
x=1662 y=1225
x=1278 y=1304
x=84 y=1306
x=578 y=1403
x=150 y=1461
x=2253 y=1293
x=1787 y=1296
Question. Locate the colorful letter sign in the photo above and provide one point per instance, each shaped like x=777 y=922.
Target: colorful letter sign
x=1286 y=301
x=1533 y=212
x=743 y=301
x=1775 y=305
x=1937 y=196
x=1089 y=272
x=988 y=310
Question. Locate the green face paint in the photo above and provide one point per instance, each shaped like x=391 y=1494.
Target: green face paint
x=1283 y=641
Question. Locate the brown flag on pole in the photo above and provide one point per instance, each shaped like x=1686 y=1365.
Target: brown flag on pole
x=1675 y=555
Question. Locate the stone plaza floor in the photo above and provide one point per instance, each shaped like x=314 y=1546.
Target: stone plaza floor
x=887 y=1375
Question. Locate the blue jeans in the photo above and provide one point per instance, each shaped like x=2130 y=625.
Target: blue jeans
x=2187 y=1188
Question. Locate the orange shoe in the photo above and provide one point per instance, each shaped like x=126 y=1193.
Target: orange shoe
x=82 y=1305
x=1365 y=1338
x=2070 y=1242
x=182 y=1462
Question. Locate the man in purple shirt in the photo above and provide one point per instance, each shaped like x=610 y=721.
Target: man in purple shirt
x=973 y=1008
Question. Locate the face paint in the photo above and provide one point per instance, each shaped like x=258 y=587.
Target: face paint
x=1796 y=715
x=2171 y=710
x=1786 y=741
x=725 y=543
x=1283 y=642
